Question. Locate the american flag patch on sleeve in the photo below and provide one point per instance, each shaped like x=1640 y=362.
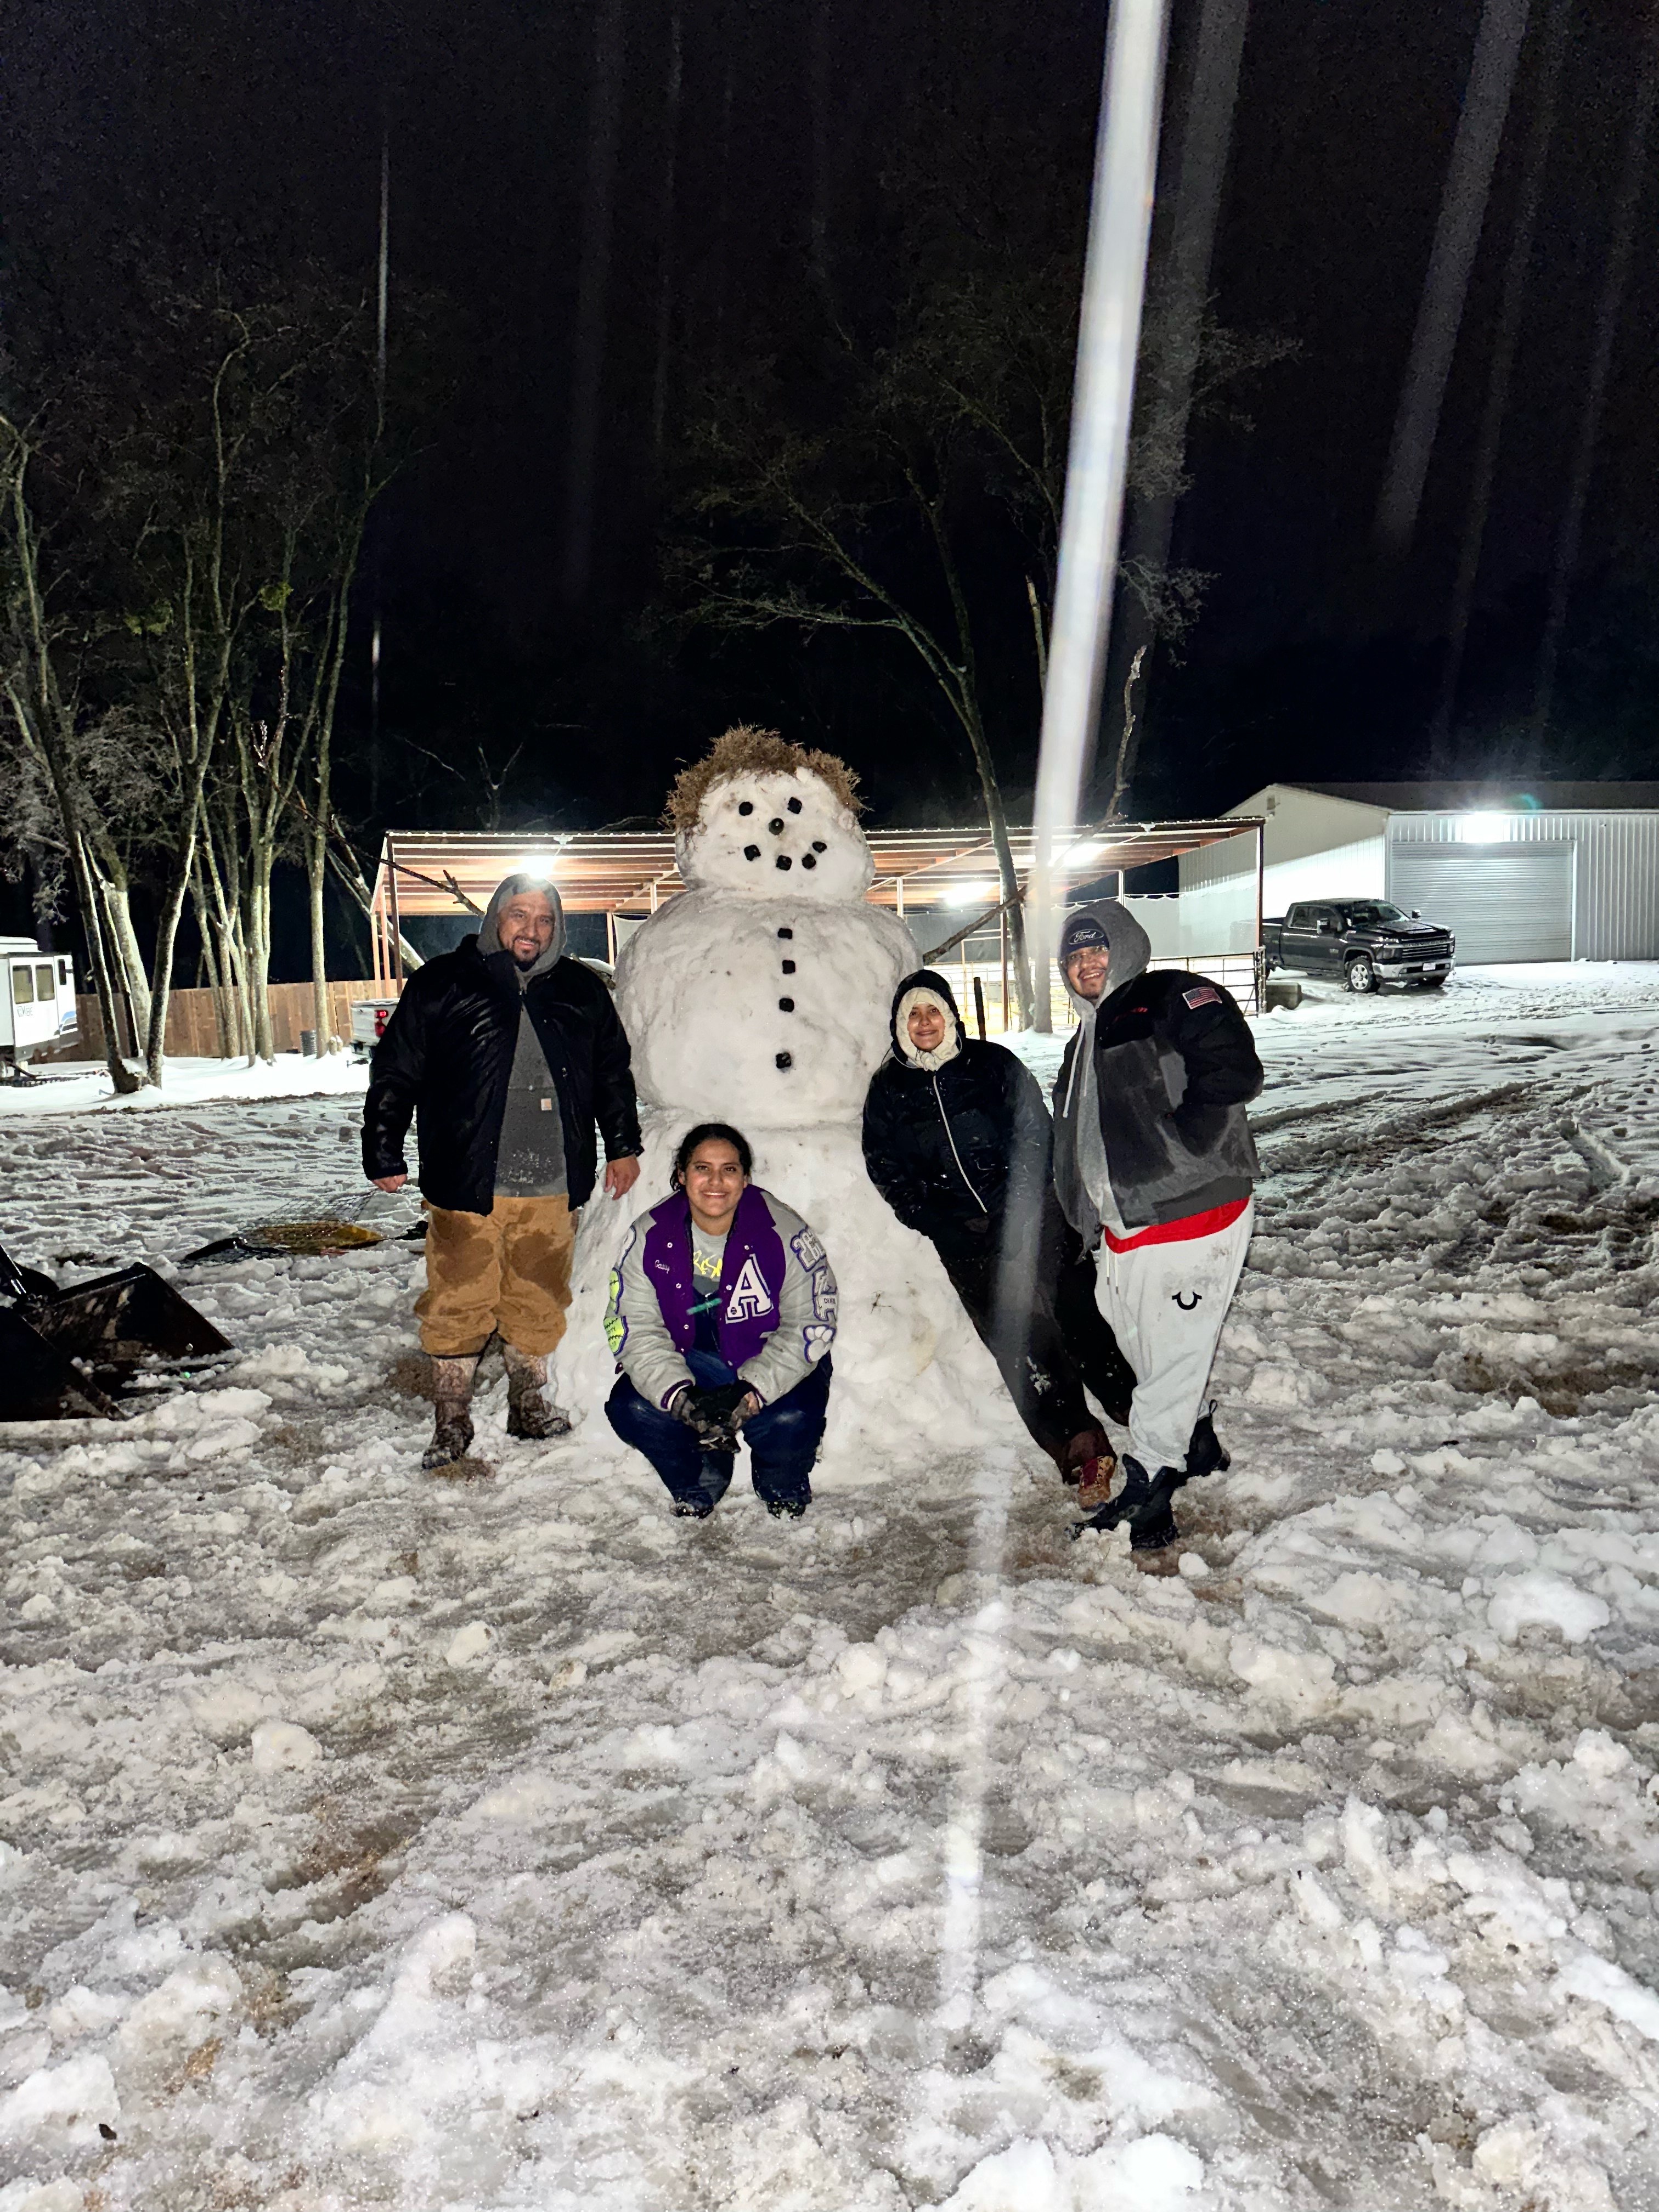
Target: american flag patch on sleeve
x=1205 y=995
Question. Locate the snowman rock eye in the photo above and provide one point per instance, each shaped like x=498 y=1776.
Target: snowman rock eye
x=794 y=806
x=775 y=826
x=751 y=852
x=784 y=860
x=745 y=806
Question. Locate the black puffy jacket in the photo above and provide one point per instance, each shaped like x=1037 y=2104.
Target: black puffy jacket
x=447 y=1054
x=950 y=1151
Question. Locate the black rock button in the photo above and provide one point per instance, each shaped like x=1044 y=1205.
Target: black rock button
x=745 y=806
x=788 y=967
x=807 y=861
x=784 y=1060
x=751 y=852
x=784 y=860
x=794 y=806
x=785 y=933
x=818 y=845
x=786 y=1005
x=775 y=826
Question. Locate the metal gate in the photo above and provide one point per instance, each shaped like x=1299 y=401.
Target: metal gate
x=1501 y=902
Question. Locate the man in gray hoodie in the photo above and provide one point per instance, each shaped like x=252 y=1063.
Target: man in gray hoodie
x=1154 y=1162
x=510 y=1053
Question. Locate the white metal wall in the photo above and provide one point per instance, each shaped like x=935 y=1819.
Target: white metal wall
x=1314 y=847
x=1616 y=899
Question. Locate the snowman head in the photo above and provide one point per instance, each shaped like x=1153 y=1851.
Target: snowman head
x=762 y=816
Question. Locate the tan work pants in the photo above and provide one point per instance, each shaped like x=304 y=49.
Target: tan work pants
x=508 y=1269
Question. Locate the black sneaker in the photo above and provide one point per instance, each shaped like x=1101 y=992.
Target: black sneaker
x=692 y=1509
x=787 y=1509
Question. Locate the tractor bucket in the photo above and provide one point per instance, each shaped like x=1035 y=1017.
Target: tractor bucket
x=61 y=1351
x=125 y=1320
x=37 y=1381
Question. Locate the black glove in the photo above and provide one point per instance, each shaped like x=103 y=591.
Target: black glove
x=716 y=1414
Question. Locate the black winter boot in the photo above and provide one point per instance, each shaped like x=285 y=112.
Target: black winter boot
x=1206 y=1454
x=1144 y=1503
x=452 y=1435
x=528 y=1413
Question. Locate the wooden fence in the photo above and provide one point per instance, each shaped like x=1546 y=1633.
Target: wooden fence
x=192 y=1032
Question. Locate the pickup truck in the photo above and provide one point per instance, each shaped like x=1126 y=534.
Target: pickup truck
x=1363 y=942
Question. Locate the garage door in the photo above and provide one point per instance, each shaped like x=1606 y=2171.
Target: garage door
x=1501 y=902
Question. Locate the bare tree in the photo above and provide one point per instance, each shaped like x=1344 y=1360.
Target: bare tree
x=44 y=714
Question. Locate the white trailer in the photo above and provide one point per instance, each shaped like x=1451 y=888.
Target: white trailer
x=37 y=1001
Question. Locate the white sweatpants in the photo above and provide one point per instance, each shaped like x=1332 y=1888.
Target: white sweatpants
x=1166 y=1303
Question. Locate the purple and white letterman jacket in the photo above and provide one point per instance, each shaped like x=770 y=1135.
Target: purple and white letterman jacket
x=778 y=1298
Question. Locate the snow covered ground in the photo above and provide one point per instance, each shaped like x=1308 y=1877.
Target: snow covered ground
x=375 y=1839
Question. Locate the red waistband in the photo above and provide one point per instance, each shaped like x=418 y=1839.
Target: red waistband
x=1177 y=1232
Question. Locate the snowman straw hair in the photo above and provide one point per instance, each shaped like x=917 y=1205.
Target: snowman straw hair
x=747 y=750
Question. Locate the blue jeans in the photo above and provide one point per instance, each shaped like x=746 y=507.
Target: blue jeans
x=782 y=1438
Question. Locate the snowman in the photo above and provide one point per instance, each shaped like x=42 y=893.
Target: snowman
x=761 y=996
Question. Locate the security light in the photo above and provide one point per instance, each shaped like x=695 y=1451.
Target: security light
x=1483 y=829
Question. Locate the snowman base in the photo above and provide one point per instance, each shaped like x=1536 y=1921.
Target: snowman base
x=912 y=1379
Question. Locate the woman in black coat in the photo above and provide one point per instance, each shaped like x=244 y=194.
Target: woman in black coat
x=958 y=1140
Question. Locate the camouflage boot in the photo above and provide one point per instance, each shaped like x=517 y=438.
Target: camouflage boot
x=528 y=1413
x=452 y=1392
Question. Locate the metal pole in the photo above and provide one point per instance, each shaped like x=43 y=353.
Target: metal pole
x=397 y=919
x=1108 y=337
x=382 y=280
x=1260 y=874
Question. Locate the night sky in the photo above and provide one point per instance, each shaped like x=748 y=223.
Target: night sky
x=175 y=134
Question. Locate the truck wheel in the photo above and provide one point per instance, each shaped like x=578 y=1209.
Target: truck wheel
x=1361 y=976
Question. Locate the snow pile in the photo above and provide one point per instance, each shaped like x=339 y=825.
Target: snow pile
x=370 y=1838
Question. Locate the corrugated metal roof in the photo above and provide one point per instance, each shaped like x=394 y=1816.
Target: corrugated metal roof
x=600 y=870
x=1514 y=796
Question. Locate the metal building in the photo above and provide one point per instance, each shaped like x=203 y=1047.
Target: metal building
x=1558 y=872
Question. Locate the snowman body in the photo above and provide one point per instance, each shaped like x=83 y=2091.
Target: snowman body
x=766 y=1012
x=762 y=997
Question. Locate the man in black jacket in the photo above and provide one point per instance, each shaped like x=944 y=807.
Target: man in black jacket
x=1154 y=1162
x=508 y=1052
x=956 y=1140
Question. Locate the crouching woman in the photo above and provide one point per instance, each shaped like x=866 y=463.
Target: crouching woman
x=721 y=1315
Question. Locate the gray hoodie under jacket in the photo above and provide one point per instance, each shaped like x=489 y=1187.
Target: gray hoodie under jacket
x=529 y=1159
x=1150 y=1125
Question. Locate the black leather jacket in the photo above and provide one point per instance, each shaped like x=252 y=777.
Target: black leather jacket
x=952 y=1149
x=447 y=1055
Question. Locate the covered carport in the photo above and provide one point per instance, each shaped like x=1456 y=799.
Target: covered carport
x=943 y=883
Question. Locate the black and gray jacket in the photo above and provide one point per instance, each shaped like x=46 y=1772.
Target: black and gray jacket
x=447 y=1054
x=1149 y=1106
x=955 y=1146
